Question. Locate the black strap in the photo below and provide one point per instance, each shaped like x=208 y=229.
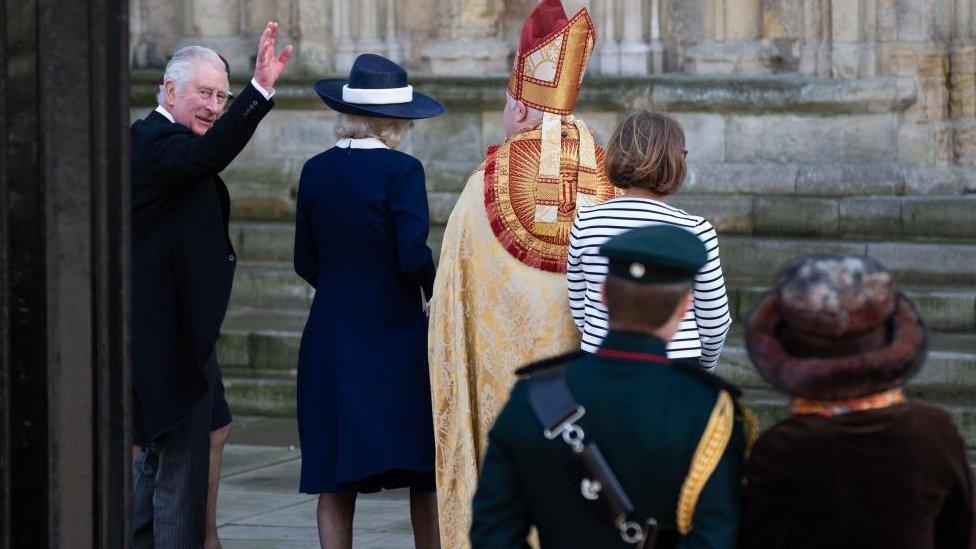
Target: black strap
x=557 y=410
x=551 y=400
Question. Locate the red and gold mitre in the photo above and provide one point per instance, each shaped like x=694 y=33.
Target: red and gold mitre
x=552 y=57
x=537 y=179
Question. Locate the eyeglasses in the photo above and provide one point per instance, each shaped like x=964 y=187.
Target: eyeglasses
x=208 y=93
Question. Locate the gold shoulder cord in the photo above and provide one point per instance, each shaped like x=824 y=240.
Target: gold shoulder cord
x=709 y=452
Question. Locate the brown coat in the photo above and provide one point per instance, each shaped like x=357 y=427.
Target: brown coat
x=893 y=478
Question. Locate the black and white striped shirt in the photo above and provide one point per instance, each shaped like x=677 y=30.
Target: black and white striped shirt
x=702 y=331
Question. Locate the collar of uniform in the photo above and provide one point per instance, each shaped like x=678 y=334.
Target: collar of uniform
x=632 y=342
x=364 y=143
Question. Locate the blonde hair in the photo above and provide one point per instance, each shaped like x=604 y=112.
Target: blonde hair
x=388 y=130
x=647 y=151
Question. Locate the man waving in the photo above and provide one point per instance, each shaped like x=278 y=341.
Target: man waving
x=182 y=269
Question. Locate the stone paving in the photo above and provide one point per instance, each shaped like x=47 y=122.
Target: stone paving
x=260 y=507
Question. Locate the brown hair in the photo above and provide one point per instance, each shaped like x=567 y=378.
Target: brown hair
x=640 y=307
x=647 y=150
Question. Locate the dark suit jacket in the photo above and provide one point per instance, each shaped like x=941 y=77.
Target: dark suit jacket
x=182 y=258
x=896 y=478
x=647 y=418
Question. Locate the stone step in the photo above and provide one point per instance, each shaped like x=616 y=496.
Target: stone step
x=260 y=342
x=891 y=218
x=269 y=287
x=943 y=309
x=276 y=287
x=274 y=242
x=756 y=260
x=264 y=188
x=949 y=370
x=258 y=356
x=747 y=259
x=270 y=394
x=274 y=394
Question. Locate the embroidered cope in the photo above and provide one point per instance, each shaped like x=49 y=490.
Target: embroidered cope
x=498 y=307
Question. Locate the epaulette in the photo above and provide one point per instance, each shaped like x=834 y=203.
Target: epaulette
x=548 y=363
x=711 y=446
x=712 y=380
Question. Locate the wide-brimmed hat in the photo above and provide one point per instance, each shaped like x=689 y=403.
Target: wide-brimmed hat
x=835 y=327
x=377 y=87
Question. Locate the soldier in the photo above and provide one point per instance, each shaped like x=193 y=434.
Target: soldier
x=620 y=447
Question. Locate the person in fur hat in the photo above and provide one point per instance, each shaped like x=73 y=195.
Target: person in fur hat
x=856 y=464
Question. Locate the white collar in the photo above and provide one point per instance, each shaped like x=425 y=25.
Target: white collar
x=364 y=143
x=162 y=110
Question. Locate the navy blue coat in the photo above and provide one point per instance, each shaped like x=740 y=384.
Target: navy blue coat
x=182 y=259
x=363 y=389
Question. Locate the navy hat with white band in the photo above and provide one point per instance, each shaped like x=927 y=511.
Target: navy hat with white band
x=656 y=254
x=377 y=87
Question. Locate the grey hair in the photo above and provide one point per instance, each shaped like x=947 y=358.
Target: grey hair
x=388 y=130
x=179 y=70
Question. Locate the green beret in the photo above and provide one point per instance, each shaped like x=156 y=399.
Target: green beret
x=657 y=254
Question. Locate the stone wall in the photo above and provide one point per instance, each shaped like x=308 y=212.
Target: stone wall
x=928 y=45
x=831 y=126
x=780 y=135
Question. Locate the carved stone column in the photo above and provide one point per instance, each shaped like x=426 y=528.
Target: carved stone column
x=369 y=27
x=314 y=49
x=634 y=51
x=216 y=24
x=656 y=45
x=137 y=45
x=394 y=49
x=732 y=44
x=962 y=84
x=815 y=50
x=853 y=37
x=607 y=46
x=920 y=52
x=345 y=48
x=469 y=41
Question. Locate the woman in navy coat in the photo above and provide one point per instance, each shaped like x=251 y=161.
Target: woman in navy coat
x=364 y=413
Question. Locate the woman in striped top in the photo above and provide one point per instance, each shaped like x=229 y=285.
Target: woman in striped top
x=645 y=156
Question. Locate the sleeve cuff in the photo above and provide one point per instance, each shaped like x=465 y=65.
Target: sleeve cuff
x=267 y=94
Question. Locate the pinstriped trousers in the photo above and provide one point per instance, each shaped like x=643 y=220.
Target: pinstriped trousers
x=169 y=479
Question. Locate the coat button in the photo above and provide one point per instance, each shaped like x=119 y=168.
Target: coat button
x=231 y=257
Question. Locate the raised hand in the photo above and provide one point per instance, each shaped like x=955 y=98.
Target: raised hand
x=268 y=66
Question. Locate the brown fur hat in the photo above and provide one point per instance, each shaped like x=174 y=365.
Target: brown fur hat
x=835 y=327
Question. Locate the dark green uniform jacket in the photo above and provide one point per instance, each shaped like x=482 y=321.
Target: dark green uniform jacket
x=647 y=416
